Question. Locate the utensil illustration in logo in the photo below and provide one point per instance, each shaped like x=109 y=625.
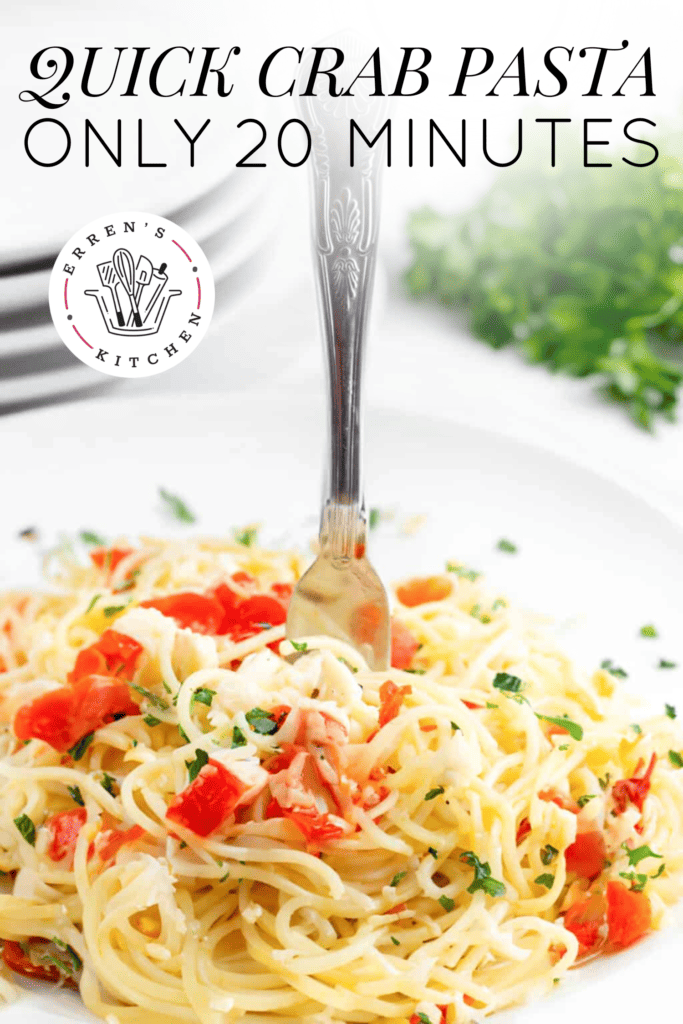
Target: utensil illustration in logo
x=138 y=293
x=109 y=279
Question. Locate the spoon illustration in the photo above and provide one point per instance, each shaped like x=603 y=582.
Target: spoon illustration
x=125 y=268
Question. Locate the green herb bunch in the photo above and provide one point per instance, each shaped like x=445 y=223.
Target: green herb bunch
x=580 y=268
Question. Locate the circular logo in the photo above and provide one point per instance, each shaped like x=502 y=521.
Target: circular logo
x=131 y=294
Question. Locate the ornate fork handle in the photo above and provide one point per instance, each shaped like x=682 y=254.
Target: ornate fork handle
x=345 y=220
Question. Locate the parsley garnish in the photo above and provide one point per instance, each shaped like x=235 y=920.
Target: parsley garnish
x=433 y=852
x=573 y=728
x=498 y=603
x=27 y=828
x=79 y=749
x=546 y=880
x=224 y=877
x=434 y=793
x=548 y=854
x=447 y=903
x=261 y=721
x=609 y=666
x=194 y=767
x=462 y=571
x=422 y=1018
x=397 y=878
x=303 y=646
x=89 y=537
x=649 y=631
x=663 y=663
x=151 y=721
x=108 y=782
x=476 y=613
x=395 y=941
x=238 y=739
x=509 y=684
x=246 y=537
x=639 y=853
x=636 y=728
x=507 y=546
x=183 y=734
x=156 y=702
x=177 y=507
x=76 y=795
x=92 y=604
x=583 y=800
x=676 y=759
x=202 y=696
x=113 y=609
x=374 y=518
x=604 y=783
x=659 y=871
x=670 y=710
x=637 y=881
x=454 y=727
x=482 y=876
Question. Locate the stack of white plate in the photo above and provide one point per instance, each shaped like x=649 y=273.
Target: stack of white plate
x=232 y=220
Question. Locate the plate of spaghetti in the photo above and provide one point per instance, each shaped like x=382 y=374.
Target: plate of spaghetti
x=196 y=826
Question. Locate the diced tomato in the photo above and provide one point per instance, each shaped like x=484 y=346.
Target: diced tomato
x=113 y=839
x=259 y=609
x=391 y=698
x=62 y=717
x=554 y=796
x=444 y=1013
x=586 y=855
x=398 y=909
x=114 y=654
x=244 y=616
x=423 y=590
x=523 y=830
x=3 y=664
x=208 y=800
x=586 y=920
x=197 y=612
x=243 y=579
x=432 y=727
x=64 y=829
x=278 y=762
x=471 y=706
x=17 y=961
x=635 y=789
x=109 y=558
x=279 y=713
x=468 y=1000
x=316 y=828
x=404 y=646
x=629 y=914
x=283 y=591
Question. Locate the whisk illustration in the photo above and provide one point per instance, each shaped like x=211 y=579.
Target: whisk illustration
x=134 y=297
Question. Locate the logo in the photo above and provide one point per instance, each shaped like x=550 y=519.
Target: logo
x=131 y=294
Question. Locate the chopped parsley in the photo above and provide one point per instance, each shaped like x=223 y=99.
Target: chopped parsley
x=637 y=881
x=676 y=759
x=224 y=877
x=394 y=940
x=547 y=880
x=476 y=613
x=177 y=507
x=194 y=767
x=374 y=517
x=670 y=710
x=301 y=647
x=156 y=702
x=246 y=537
x=509 y=684
x=433 y=793
x=202 y=696
x=482 y=876
x=262 y=721
x=397 y=878
x=639 y=853
x=663 y=663
x=660 y=871
x=108 y=782
x=498 y=603
x=609 y=666
x=434 y=853
x=114 y=609
x=604 y=783
x=636 y=728
x=27 y=828
x=238 y=739
x=151 y=721
x=447 y=903
x=183 y=734
x=92 y=604
x=76 y=795
x=454 y=727
x=90 y=537
x=416 y=671
x=583 y=800
x=79 y=749
x=507 y=546
x=422 y=1018
x=462 y=571
x=649 y=631
x=548 y=854
x=573 y=728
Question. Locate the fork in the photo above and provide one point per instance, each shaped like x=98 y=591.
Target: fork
x=341 y=595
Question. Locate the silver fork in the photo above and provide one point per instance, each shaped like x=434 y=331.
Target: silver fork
x=341 y=595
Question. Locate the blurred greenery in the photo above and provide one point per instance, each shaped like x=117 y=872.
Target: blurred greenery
x=579 y=268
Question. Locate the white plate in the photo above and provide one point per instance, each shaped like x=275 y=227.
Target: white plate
x=223 y=207
x=590 y=551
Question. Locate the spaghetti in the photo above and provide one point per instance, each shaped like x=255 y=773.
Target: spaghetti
x=197 y=829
